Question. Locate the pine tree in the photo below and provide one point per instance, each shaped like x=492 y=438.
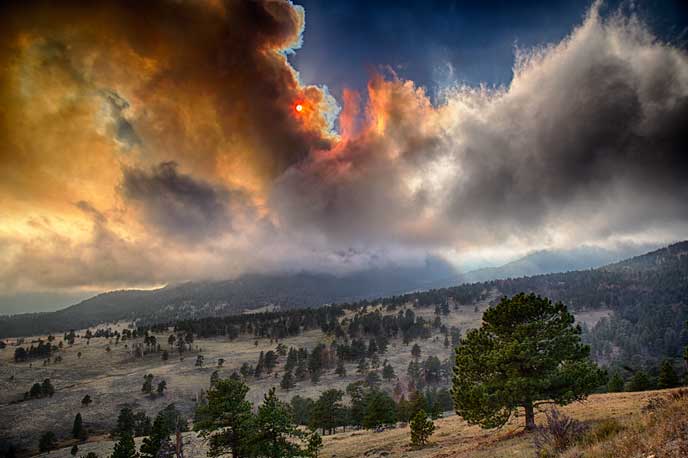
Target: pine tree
x=667 y=376
x=162 y=386
x=380 y=409
x=616 y=383
x=415 y=351
x=422 y=428
x=259 y=366
x=639 y=382
x=287 y=382
x=74 y=450
x=86 y=400
x=403 y=409
x=151 y=444
x=388 y=372
x=276 y=430
x=47 y=388
x=125 y=447
x=270 y=360
x=536 y=343
x=147 y=384
x=315 y=361
x=313 y=444
x=292 y=359
x=126 y=422
x=47 y=442
x=301 y=371
x=328 y=411
x=35 y=391
x=226 y=419
x=373 y=379
x=372 y=348
x=77 y=427
x=417 y=402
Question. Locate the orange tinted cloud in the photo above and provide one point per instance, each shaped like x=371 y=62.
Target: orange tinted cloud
x=164 y=134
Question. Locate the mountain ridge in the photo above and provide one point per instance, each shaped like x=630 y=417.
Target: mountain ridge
x=253 y=291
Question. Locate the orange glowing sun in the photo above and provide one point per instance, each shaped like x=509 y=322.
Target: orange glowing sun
x=299 y=107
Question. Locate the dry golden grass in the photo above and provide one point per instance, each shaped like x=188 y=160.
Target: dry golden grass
x=643 y=435
x=659 y=432
x=455 y=438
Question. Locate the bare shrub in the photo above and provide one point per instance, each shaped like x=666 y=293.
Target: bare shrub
x=557 y=434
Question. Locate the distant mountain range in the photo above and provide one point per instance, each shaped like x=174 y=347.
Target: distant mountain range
x=252 y=291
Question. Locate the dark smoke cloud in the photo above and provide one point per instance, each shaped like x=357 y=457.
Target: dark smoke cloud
x=158 y=142
x=587 y=143
x=180 y=206
x=203 y=83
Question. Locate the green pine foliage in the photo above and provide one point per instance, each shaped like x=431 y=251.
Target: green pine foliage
x=313 y=444
x=125 y=447
x=639 y=382
x=277 y=435
x=287 y=382
x=616 y=383
x=151 y=444
x=328 y=412
x=47 y=442
x=380 y=410
x=668 y=378
x=527 y=351
x=422 y=428
x=77 y=427
x=226 y=420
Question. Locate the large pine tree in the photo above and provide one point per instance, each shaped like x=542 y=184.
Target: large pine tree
x=527 y=352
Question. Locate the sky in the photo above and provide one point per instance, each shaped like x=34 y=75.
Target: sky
x=148 y=143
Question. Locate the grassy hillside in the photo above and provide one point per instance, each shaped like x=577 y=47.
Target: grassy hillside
x=621 y=425
x=609 y=286
x=251 y=291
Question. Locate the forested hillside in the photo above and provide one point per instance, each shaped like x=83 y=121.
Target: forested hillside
x=220 y=298
x=647 y=295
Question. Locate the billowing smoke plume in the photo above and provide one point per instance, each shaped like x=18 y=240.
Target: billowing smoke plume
x=158 y=141
x=586 y=143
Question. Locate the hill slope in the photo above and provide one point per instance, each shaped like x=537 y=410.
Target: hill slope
x=247 y=292
x=618 y=429
x=604 y=287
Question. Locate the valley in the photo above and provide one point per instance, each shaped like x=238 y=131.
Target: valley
x=109 y=362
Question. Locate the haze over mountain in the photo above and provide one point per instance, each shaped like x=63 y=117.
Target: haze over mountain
x=197 y=299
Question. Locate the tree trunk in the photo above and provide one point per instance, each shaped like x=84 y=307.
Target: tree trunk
x=530 y=416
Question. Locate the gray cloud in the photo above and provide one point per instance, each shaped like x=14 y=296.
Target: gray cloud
x=180 y=206
x=587 y=143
